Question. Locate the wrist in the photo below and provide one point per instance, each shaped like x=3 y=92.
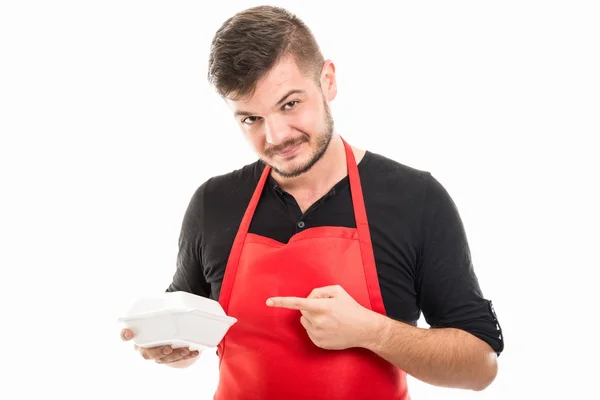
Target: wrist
x=378 y=332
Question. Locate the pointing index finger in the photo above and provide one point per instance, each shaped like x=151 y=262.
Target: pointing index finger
x=293 y=303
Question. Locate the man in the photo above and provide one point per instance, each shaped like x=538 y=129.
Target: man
x=325 y=253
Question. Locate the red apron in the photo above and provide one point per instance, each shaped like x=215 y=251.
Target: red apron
x=267 y=354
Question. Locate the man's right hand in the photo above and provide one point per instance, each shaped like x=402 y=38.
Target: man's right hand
x=177 y=358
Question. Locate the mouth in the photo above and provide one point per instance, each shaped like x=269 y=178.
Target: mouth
x=289 y=151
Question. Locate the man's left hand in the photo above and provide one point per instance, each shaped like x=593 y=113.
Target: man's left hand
x=332 y=318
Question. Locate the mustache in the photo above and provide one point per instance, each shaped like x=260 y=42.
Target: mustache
x=288 y=143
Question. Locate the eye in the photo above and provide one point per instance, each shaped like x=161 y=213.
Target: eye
x=250 y=120
x=291 y=104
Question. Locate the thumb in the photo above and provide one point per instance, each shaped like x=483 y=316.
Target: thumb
x=126 y=334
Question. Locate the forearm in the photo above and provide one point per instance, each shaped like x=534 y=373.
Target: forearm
x=441 y=357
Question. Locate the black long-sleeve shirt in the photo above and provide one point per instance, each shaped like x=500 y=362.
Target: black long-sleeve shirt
x=421 y=251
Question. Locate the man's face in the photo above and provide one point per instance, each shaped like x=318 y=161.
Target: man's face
x=287 y=119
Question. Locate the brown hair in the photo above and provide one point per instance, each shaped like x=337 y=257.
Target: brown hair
x=252 y=41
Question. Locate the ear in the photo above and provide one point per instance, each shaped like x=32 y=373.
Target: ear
x=328 y=82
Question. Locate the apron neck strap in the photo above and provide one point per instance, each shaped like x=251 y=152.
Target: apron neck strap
x=360 y=213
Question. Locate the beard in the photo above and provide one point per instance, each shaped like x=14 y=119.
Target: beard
x=322 y=141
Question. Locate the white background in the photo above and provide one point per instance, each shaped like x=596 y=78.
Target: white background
x=108 y=126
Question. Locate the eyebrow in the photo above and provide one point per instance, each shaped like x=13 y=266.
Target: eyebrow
x=283 y=99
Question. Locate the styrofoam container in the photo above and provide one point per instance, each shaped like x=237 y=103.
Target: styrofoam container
x=179 y=319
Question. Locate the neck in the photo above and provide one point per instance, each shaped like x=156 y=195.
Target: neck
x=329 y=170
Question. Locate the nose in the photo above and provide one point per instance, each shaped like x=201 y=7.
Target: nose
x=276 y=131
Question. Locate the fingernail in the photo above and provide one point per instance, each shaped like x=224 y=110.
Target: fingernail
x=184 y=352
x=269 y=302
x=167 y=350
x=127 y=335
x=195 y=354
